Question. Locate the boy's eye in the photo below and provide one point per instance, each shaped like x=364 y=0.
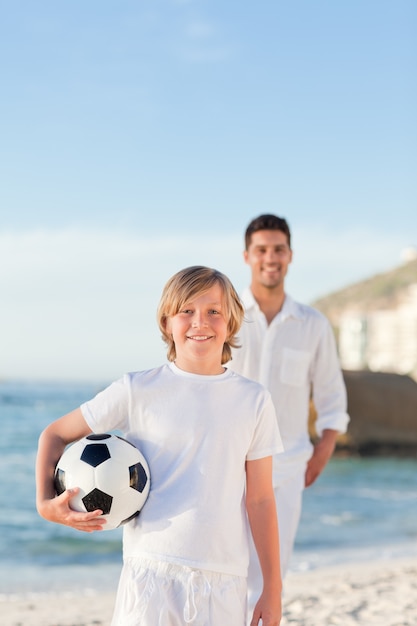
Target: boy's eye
x=213 y=312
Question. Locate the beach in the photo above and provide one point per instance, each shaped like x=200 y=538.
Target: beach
x=355 y=557
x=380 y=593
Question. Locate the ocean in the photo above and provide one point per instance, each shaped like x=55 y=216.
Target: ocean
x=359 y=509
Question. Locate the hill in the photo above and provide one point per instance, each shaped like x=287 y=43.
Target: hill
x=382 y=291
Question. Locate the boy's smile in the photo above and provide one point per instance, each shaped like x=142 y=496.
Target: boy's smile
x=199 y=331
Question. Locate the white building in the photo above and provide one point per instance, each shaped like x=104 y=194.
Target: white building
x=381 y=340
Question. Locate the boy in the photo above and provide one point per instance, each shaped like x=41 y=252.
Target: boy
x=208 y=435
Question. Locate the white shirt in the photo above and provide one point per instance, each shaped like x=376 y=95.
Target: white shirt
x=196 y=433
x=295 y=353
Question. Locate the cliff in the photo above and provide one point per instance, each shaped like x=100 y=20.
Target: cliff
x=382 y=405
x=382 y=291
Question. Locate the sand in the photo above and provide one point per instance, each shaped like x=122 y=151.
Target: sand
x=373 y=594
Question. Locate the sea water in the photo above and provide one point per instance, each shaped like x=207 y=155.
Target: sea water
x=359 y=509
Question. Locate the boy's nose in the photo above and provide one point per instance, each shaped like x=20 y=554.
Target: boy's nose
x=199 y=321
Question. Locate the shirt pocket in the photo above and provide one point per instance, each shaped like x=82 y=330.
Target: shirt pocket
x=294 y=367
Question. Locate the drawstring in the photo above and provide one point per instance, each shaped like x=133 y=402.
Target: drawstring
x=190 y=607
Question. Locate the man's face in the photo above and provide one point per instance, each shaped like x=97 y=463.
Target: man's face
x=268 y=257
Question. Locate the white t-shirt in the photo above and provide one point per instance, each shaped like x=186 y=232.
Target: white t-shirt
x=196 y=433
x=294 y=356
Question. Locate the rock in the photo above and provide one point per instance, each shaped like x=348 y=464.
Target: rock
x=383 y=414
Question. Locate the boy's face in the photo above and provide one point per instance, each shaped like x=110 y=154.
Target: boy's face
x=268 y=256
x=199 y=332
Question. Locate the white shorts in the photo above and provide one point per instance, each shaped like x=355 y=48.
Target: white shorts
x=155 y=593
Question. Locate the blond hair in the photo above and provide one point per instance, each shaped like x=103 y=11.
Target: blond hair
x=190 y=283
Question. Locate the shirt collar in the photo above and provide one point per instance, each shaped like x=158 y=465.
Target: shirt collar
x=290 y=308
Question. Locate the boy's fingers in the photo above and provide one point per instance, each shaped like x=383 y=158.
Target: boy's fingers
x=79 y=516
x=89 y=521
x=66 y=495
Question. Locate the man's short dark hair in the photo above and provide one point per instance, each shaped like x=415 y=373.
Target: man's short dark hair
x=267 y=222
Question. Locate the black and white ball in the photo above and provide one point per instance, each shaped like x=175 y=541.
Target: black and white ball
x=111 y=473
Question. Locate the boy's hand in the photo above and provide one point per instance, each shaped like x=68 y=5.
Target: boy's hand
x=268 y=609
x=58 y=510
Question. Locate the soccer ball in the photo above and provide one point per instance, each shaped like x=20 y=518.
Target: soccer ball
x=111 y=473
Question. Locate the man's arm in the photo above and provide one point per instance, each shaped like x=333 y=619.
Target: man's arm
x=322 y=452
x=330 y=401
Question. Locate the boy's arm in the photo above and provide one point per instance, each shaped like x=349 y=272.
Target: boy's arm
x=260 y=505
x=52 y=443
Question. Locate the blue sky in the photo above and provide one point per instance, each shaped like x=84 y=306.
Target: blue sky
x=141 y=136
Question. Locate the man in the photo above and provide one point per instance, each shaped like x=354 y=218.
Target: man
x=290 y=348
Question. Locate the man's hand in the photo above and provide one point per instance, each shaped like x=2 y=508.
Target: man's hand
x=322 y=452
